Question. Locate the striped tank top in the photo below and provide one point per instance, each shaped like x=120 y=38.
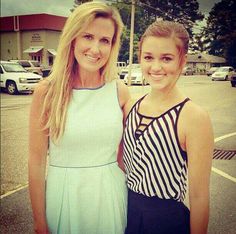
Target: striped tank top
x=154 y=162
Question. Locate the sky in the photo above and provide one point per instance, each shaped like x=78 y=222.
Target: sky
x=62 y=8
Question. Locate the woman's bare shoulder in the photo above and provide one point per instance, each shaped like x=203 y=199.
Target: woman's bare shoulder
x=40 y=91
x=195 y=117
x=123 y=93
x=195 y=112
x=42 y=87
x=129 y=106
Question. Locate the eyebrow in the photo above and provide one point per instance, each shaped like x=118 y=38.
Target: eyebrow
x=87 y=33
x=150 y=53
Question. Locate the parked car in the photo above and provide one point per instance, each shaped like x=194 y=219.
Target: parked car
x=125 y=70
x=223 y=73
x=136 y=77
x=46 y=70
x=30 y=65
x=120 y=66
x=233 y=80
x=14 y=78
x=188 y=71
x=211 y=71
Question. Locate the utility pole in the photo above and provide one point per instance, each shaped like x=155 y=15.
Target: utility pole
x=131 y=41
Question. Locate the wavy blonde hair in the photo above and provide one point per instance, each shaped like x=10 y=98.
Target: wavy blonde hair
x=59 y=90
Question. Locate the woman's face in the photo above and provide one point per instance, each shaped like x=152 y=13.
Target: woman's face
x=93 y=46
x=160 y=62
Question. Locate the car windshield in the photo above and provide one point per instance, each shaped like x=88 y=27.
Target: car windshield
x=24 y=64
x=213 y=68
x=223 y=69
x=35 y=63
x=13 y=67
x=134 y=66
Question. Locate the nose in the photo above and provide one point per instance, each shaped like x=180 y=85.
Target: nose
x=95 y=47
x=156 y=66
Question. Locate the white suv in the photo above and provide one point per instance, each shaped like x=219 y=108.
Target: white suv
x=16 y=79
x=30 y=65
x=223 y=73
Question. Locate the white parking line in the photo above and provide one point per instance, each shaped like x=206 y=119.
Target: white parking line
x=219 y=172
x=227 y=176
x=224 y=136
x=14 y=191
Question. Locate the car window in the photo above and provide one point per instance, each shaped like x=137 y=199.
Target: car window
x=24 y=63
x=13 y=67
x=35 y=63
x=213 y=68
x=223 y=69
x=133 y=66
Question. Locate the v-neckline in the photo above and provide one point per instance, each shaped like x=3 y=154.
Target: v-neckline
x=160 y=115
x=153 y=118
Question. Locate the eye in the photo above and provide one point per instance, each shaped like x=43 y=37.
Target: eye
x=88 y=37
x=105 y=41
x=148 y=57
x=166 y=59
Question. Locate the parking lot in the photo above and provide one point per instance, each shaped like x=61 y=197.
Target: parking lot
x=217 y=97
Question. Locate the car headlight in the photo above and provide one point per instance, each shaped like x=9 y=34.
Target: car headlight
x=22 y=80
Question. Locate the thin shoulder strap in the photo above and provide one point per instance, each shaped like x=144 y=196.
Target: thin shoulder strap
x=181 y=105
x=136 y=104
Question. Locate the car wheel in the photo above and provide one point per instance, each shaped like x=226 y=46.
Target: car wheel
x=226 y=78
x=11 y=87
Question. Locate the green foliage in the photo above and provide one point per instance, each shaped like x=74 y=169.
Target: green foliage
x=146 y=12
x=220 y=32
x=78 y=2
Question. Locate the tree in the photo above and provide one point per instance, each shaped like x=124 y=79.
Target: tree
x=77 y=3
x=220 y=32
x=146 y=12
x=185 y=12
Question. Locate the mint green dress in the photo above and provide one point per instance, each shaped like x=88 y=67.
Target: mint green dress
x=85 y=189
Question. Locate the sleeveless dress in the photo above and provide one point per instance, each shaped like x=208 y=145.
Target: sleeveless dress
x=86 y=190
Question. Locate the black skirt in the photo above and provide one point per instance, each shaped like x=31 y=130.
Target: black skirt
x=152 y=215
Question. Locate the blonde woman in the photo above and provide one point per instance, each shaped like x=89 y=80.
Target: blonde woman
x=167 y=139
x=76 y=117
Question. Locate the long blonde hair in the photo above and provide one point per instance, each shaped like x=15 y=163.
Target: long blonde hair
x=59 y=91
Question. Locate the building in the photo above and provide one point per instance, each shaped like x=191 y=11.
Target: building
x=202 y=62
x=31 y=37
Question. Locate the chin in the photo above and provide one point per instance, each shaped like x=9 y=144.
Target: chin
x=91 y=67
x=157 y=85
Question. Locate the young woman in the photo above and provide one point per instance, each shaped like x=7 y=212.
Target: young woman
x=167 y=138
x=76 y=116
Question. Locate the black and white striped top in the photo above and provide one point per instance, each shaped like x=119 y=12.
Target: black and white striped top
x=154 y=162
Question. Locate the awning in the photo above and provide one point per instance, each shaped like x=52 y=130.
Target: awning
x=52 y=51
x=33 y=49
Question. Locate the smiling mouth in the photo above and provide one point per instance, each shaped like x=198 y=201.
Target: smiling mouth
x=157 y=76
x=91 y=58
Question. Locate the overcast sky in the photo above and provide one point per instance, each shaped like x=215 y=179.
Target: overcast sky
x=60 y=7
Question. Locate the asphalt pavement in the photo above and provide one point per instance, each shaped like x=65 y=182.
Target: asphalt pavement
x=217 y=97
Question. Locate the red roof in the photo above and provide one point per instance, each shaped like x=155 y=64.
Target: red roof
x=32 y=22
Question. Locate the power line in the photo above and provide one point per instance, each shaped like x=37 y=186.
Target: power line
x=141 y=4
